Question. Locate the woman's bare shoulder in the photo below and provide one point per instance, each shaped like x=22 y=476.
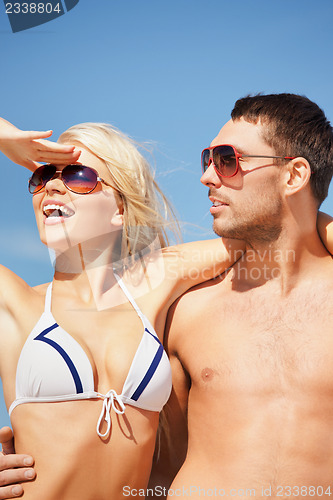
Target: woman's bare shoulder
x=9 y=279
x=40 y=289
x=13 y=288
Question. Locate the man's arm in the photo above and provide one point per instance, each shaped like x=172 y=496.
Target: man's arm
x=14 y=469
x=325 y=230
x=172 y=443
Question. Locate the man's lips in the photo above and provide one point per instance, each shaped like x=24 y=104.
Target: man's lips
x=216 y=202
x=217 y=205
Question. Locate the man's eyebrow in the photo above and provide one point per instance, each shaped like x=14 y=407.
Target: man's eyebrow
x=239 y=149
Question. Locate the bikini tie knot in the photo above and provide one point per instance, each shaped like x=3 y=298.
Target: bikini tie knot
x=109 y=401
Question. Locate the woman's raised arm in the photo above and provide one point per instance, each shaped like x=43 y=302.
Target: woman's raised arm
x=27 y=148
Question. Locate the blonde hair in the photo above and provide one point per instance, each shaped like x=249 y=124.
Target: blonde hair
x=147 y=212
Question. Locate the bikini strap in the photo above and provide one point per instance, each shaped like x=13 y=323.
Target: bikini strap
x=48 y=298
x=145 y=321
x=130 y=298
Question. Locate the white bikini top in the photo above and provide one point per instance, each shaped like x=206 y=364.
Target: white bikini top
x=54 y=367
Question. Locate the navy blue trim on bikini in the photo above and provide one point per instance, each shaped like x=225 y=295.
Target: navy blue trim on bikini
x=63 y=353
x=151 y=370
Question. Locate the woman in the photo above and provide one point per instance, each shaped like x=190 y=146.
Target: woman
x=83 y=368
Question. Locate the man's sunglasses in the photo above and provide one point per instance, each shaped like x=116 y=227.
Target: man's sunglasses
x=225 y=159
x=77 y=178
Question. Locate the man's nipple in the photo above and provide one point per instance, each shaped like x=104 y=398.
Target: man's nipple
x=207 y=374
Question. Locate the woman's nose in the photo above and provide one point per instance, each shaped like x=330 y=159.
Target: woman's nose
x=55 y=184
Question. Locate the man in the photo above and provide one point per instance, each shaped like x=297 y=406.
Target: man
x=252 y=351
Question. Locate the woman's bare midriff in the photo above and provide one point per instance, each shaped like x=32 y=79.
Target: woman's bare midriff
x=72 y=461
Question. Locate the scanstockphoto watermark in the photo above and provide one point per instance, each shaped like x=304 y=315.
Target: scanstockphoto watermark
x=190 y=491
x=27 y=14
x=262 y=491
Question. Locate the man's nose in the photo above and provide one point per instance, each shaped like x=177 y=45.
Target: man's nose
x=210 y=177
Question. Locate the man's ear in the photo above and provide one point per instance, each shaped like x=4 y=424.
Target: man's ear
x=298 y=174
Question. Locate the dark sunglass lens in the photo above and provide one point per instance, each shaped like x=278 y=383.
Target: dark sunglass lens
x=225 y=160
x=205 y=160
x=79 y=179
x=40 y=177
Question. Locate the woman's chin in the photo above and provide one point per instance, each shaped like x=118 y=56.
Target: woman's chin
x=56 y=245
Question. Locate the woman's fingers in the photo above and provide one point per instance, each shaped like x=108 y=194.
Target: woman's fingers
x=47 y=151
x=57 y=156
x=44 y=145
x=34 y=134
x=30 y=148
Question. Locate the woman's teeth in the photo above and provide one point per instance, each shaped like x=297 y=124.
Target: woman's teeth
x=57 y=211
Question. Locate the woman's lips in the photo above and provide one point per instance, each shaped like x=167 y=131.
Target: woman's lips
x=56 y=212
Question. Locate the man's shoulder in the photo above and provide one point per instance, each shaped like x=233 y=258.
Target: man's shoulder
x=200 y=293
x=193 y=305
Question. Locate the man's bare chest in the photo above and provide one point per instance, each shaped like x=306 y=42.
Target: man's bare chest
x=258 y=342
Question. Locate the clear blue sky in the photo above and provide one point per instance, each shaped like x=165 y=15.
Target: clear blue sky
x=165 y=72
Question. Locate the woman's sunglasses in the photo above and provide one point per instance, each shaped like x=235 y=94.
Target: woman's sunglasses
x=225 y=159
x=77 y=178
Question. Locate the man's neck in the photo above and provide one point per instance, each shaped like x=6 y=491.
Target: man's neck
x=294 y=255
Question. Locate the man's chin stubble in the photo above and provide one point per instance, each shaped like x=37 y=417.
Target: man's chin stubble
x=252 y=233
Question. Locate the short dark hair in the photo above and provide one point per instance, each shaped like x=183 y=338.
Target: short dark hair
x=294 y=126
